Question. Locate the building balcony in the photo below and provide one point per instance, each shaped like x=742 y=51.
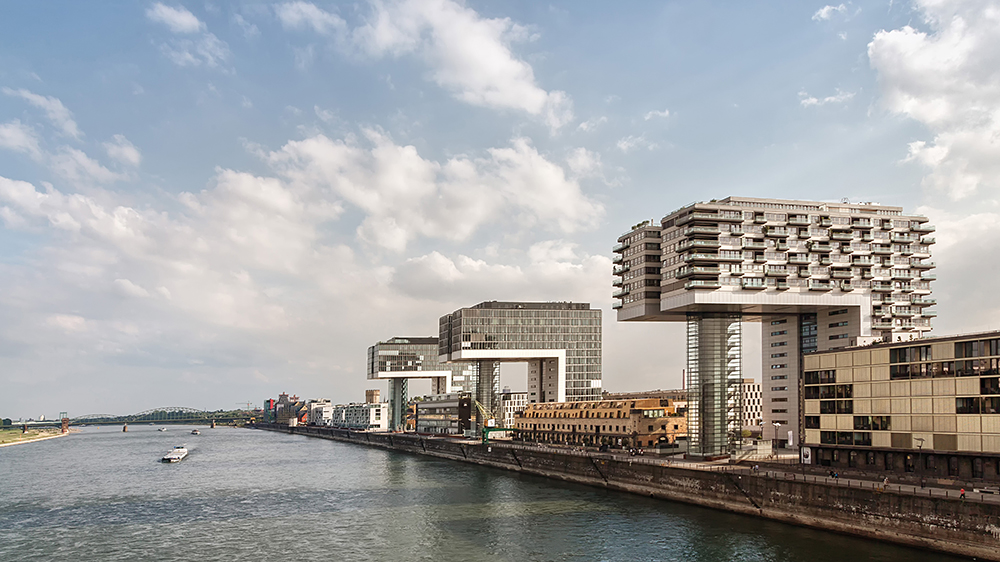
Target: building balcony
x=879 y=249
x=704 y=216
x=776 y=232
x=903 y=238
x=776 y=272
x=928 y=313
x=618 y=259
x=862 y=223
x=926 y=277
x=928 y=240
x=902 y=274
x=882 y=287
x=750 y=244
x=923 y=227
x=696 y=257
x=618 y=282
x=906 y=287
x=840 y=263
x=621 y=269
x=923 y=301
x=923 y=265
x=825 y=222
x=816 y=285
x=697 y=245
x=702 y=284
x=903 y=313
x=842 y=235
x=921 y=289
x=881 y=324
x=759 y=219
x=620 y=247
x=846 y=286
x=820 y=247
x=754 y=283
x=692 y=231
x=798 y=259
x=619 y=293
x=616 y=305
x=841 y=274
x=697 y=271
x=799 y=220
x=780 y=285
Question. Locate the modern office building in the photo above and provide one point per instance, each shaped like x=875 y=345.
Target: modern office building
x=361 y=417
x=560 y=342
x=320 y=412
x=929 y=407
x=511 y=404
x=626 y=423
x=400 y=359
x=444 y=414
x=752 y=399
x=817 y=276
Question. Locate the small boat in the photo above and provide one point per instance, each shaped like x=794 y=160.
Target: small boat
x=162 y=429
x=176 y=455
x=195 y=432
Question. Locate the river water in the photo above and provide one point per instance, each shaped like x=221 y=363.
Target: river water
x=256 y=495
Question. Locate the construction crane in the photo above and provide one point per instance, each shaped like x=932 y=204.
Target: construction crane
x=250 y=405
x=490 y=423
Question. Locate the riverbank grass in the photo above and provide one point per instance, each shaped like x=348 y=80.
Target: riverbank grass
x=14 y=435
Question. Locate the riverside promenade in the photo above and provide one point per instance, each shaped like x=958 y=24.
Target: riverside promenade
x=935 y=518
x=12 y=437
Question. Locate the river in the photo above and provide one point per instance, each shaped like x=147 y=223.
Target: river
x=100 y=494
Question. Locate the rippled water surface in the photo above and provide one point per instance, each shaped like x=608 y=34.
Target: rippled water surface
x=243 y=494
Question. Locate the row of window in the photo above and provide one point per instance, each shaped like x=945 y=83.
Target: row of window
x=945 y=369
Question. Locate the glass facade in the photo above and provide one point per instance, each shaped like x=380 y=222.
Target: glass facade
x=514 y=326
x=714 y=376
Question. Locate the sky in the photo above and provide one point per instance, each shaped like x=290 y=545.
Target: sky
x=208 y=203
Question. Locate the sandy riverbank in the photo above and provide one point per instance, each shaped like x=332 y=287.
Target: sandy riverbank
x=32 y=439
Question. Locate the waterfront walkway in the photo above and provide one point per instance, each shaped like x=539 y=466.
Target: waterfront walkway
x=789 y=474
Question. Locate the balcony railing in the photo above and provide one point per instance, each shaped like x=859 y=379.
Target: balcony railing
x=702 y=284
x=620 y=247
x=695 y=244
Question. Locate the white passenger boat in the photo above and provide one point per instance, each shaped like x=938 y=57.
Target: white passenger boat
x=162 y=429
x=176 y=455
x=195 y=432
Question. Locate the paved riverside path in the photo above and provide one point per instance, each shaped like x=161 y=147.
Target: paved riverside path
x=770 y=473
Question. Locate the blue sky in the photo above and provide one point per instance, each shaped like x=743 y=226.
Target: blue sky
x=209 y=202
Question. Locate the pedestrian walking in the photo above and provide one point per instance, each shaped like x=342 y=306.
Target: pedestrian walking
x=886 y=481
x=963 y=493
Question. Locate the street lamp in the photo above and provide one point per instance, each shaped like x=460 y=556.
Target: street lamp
x=777 y=426
x=920 y=460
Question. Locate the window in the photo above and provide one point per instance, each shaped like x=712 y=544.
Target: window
x=779 y=344
x=777 y=322
x=779 y=410
x=779 y=388
x=779 y=377
x=838 y=336
x=779 y=365
x=779 y=400
x=779 y=333
x=838 y=324
x=812 y=422
x=838 y=312
x=783 y=354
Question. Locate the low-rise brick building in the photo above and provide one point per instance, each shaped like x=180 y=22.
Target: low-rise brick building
x=626 y=423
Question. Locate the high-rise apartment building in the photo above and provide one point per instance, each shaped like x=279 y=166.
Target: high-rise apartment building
x=752 y=418
x=560 y=342
x=817 y=276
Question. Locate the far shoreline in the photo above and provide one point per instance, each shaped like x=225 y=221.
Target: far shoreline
x=33 y=439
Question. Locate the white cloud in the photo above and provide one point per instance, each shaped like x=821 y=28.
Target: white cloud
x=947 y=80
x=75 y=166
x=470 y=56
x=826 y=12
x=208 y=51
x=591 y=124
x=405 y=196
x=53 y=108
x=651 y=114
x=631 y=142
x=122 y=150
x=19 y=137
x=809 y=101
x=301 y=15
x=250 y=31
x=129 y=289
x=584 y=162
x=68 y=322
x=178 y=20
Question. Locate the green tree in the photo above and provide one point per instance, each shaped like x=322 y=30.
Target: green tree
x=7 y=422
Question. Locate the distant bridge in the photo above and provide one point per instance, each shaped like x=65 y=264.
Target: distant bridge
x=166 y=414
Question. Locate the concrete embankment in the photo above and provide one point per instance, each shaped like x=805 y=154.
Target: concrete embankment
x=950 y=525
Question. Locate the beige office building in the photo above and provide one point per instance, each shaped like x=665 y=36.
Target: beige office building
x=930 y=407
x=816 y=275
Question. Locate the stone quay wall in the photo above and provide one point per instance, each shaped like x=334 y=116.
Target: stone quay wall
x=951 y=525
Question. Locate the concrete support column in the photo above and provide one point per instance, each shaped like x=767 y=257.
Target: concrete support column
x=398 y=400
x=714 y=373
x=488 y=390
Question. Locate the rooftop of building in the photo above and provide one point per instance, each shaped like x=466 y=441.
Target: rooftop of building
x=842 y=206
x=430 y=340
x=563 y=305
x=990 y=334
